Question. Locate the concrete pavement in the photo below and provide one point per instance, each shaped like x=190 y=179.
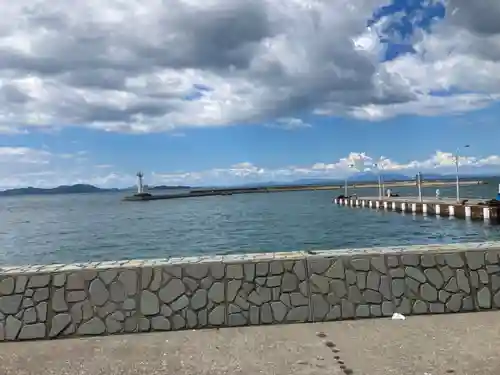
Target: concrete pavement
x=464 y=344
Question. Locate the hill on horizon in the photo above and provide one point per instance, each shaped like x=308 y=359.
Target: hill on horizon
x=63 y=189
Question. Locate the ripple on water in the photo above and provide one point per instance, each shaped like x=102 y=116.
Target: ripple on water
x=81 y=228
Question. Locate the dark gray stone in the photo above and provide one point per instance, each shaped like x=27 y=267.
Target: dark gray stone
x=32 y=331
x=454 y=303
x=428 y=292
x=94 y=326
x=397 y=273
x=7 y=286
x=172 y=291
x=298 y=314
x=360 y=264
x=484 y=298
x=280 y=311
x=217 y=316
x=336 y=270
x=454 y=260
x=199 y=299
x=419 y=307
x=416 y=274
x=363 y=311
x=475 y=259
x=10 y=304
x=98 y=292
x=149 y=303
x=129 y=280
x=160 y=323
x=435 y=277
x=463 y=281
x=410 y=259
x=59 y=323
x=39 y=281
x=372 y=296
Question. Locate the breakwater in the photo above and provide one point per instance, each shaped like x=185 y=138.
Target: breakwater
x=280 y=189
x=53 y=301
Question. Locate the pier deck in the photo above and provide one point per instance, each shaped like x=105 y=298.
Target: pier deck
x=464 y=344
x=473 y=208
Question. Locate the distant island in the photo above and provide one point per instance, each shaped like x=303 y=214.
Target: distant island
x=75 y=189
x=63 y=189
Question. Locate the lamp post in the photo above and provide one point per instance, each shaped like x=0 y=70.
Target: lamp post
x=345 y=182
x=457 y=162
x=379 y=180
x=419 y=186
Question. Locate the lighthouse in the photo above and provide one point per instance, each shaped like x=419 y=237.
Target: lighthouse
x=140 y=186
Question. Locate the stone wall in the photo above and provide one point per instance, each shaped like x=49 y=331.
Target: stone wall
x=42 y=302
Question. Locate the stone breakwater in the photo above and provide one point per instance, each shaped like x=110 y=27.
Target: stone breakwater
x=46 y=302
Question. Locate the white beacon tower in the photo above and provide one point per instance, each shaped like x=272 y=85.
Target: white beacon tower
x=140 y=185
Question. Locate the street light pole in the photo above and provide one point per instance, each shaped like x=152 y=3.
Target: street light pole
x=345 y=183
x=457 y=161
x=379 y=181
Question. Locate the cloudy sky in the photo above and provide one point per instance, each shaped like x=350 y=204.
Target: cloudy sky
x=233 y=91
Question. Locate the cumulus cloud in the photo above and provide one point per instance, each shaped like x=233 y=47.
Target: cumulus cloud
x=455 y=67
x=23 y=166
x=145 y=66
x=440 y=162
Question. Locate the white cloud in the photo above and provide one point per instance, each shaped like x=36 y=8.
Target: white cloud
x=246 y=61
x=289 y=123
x=440 y=162
x=459 y=58
x=22 y=166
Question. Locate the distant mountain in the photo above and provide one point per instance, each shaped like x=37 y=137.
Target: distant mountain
x=165 y=187
x=63 y=189
x=372 y=177
x=316 y=181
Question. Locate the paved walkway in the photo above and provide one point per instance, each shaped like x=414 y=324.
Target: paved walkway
x=462 y=344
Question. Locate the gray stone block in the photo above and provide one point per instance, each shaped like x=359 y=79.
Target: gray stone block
x=59 y=323
x=10 y=304
x=98 y=292
x=149 y=303
x=172 y=291
x=484 y=298
x=39 y=281
x=435 y=277
x=7 y=286
x=32 y=331
x=94 y=326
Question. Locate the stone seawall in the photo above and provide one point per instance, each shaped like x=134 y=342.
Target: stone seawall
x=46 y=302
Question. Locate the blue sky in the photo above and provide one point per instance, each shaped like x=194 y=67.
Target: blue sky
x=399 y=88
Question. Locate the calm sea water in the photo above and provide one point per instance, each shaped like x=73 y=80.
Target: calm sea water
x=93 y=227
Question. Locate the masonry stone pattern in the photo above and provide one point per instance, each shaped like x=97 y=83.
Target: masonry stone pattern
x=47 y=302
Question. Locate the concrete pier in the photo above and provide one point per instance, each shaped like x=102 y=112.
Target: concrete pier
x=472 y=209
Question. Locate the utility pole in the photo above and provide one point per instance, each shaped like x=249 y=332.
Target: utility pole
x=457 y=162
x=419 y=186
x=345 y=182
x=380 y=191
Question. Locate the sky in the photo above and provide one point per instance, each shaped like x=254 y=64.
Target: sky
x=224 y=92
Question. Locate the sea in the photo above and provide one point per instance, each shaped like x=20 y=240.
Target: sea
x=100 y=226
